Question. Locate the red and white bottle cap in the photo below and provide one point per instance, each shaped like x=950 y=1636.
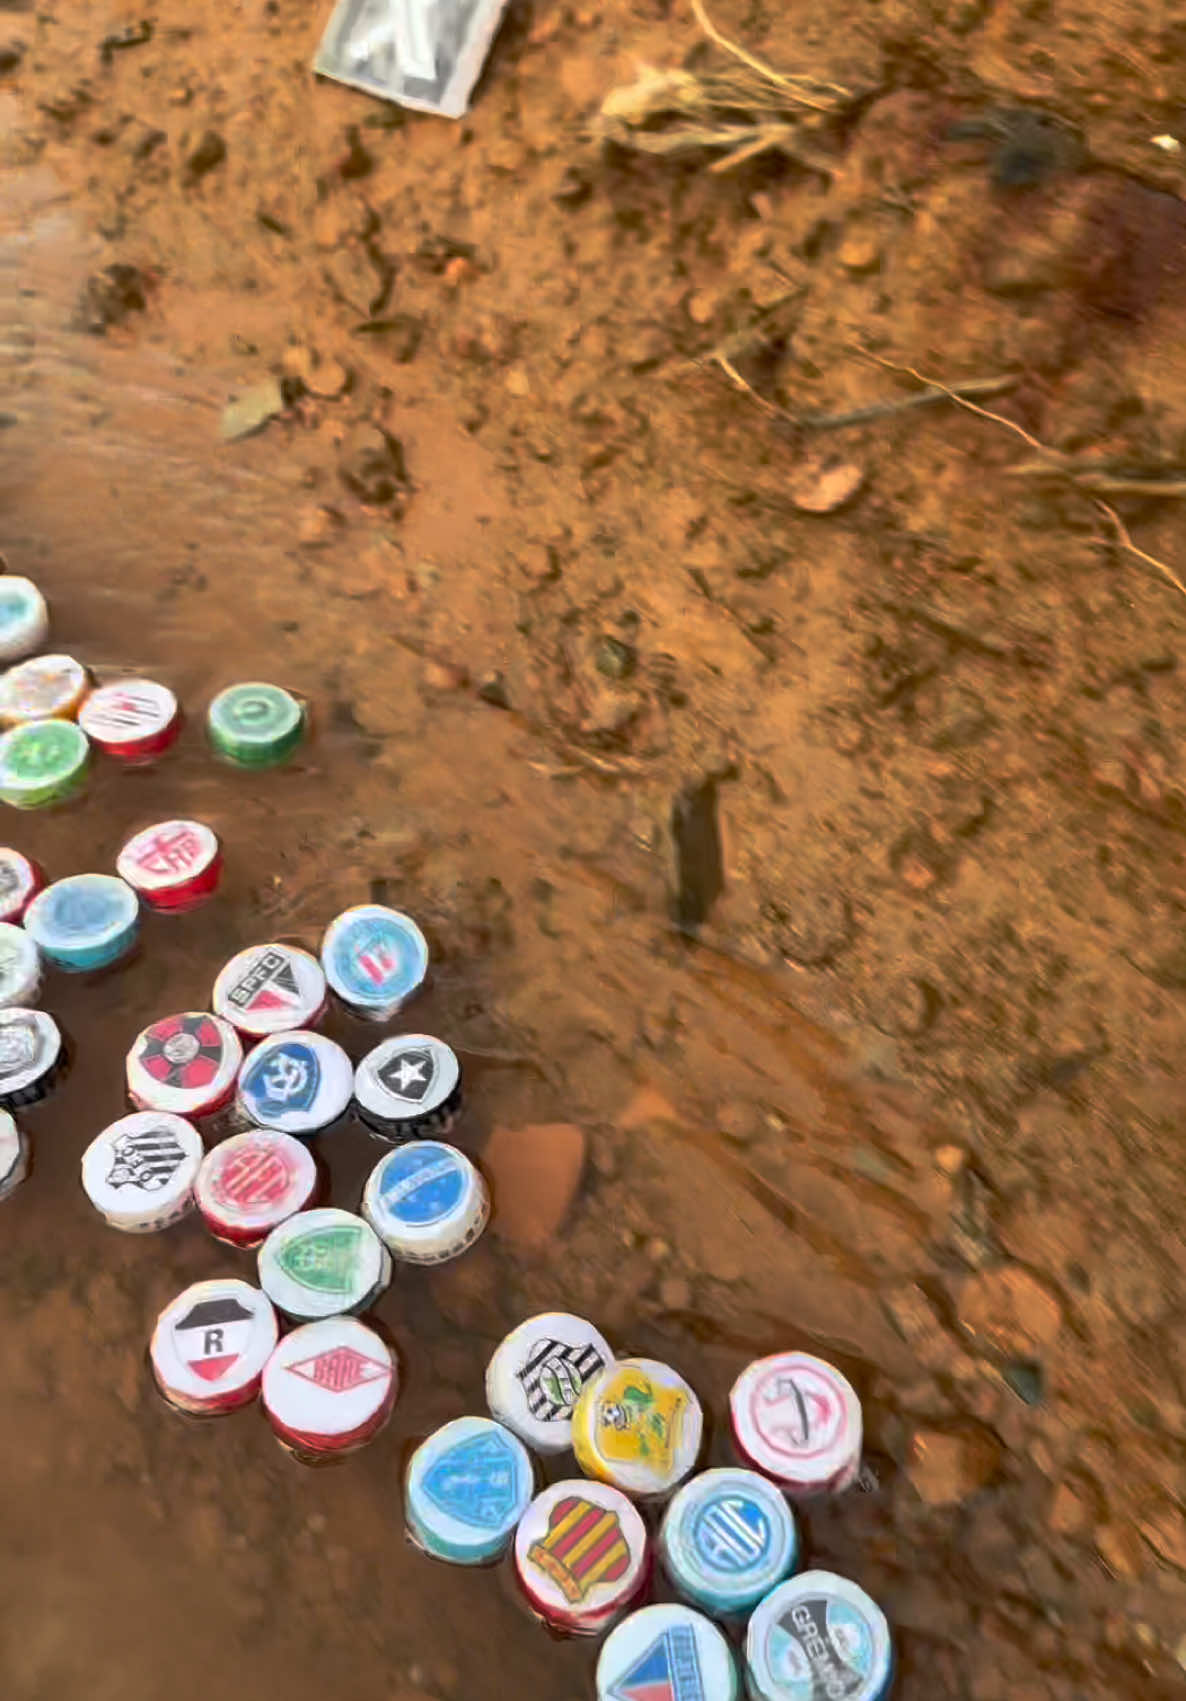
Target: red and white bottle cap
x=250 y=1184
x=329 y=1386
x=139 y=1172
x=186 y=1063
x=20 y=881
x=581 y=1555
x=210 y=1346
x=797 y=1419
x=173 y=865
x=131 y=719
x=270 y=989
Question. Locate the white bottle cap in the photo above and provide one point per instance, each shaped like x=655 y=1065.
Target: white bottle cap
x=536 y=1375
x=30 y=1053
x=270 y=989
x=139 y=1172
x=667 y=1651
x=300 y=1082
x=323 y=1263
x=185 y=1063
x=329 y=1385
x=20 y=965
x=581 y=1554
x=728 y=1537
x=210 y=1345
x=250 y=1184
x=818 y=1635
x=408 y=1087
x=637 y=1425
x=799 y=1420
x=426 y=1201
x=375 y=959
x=24 y=618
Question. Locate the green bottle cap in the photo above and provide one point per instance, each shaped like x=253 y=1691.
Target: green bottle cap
x=255 y=725
x=42 y=762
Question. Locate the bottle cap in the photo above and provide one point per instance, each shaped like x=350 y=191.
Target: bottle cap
x=24 y=618
x=426 y=1201
x=467 y=1487
x=173 y=865
x=408 y=1087
x=255 y=725
x=131 y=719
x=536 y=1375
x=329 y=1386
x=270 y=989
x=581 y=1555
x=186 y=1063
x=210 y=1345
x=43 y=688
x=323 y=1263
x=14 y=1155
x=667 y=1653
x=818 y=1635
x=250 y=1184
x=85 y=921
x=300 y=1082
x=42 y=762
x=31 y=1055
x=728 y=1537
x=799 y=1420
x=375 y=959
x=20 y=881
x=139 y=1173
x=637 y=1425
x=20 y=966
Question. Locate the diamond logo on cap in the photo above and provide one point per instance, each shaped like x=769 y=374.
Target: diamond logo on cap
x=475 y=1481
x=339 y=1370
x=669 y=1670
x=183 y=1051
x=212 y=1336
x=584 y=1546
x=554 y=1375
x=323 y=1259
x=148 y=1158
x=408 y=1074
x=286 y=1078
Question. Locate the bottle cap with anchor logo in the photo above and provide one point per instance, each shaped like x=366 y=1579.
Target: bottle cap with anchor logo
x=32 y=1056
x=14 y=1155
x=173 y=865
x=133 y=720
x=668 y=1651
x=139 y=1173
x=581 y=1555
x=728 y=1537
x=250 y=1184
x=43 y=688
x=186 y=1063
x=299 y=1082
x=817 y=1635
x=798 y=1420
x=375 y=959
x=329 y=1387
x=255 y=725
x=323 y=1263
x=86 y=921
x=210 y=1346
x=466 y=1489
x=270 y=989
x=24 y=618
x=637 y=1425
x=20 y=881
x=535 y=1377
x=408 y=1087
x=41 y=763
x=20 y=966
x=426 y=1201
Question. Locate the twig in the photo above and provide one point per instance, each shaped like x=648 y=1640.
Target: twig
x=1125 y=542
x=795 y=84
x=874 y=410
x=960 y=401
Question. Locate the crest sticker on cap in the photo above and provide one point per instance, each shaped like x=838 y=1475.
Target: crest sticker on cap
x=637 y=1425
x=185 y=1063
x=329 y=1386
x=375 y=958
x=819 y=1634
x=797 y=1418
x=319 y=1263
x=298 y=1081
x=536 y=1376
x=667 y=1653
x=210 y=1345
x=270 y=989
x=30 y=1048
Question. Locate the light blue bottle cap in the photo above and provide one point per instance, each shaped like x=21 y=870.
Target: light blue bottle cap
x=426 y=1201
x=467 y=1487
x=374 y=958
x=818 y=1635
x=727 y=1538
x=85 y=921
x=666 y=1653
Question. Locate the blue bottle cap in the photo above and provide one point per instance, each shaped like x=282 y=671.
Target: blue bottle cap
x=375 y=959
x=467 y=1487
x=85 y=921
x=818 y=1635
x=299 y=1082
x=666 y=1653
x=727 y=1538
x=426 y=1201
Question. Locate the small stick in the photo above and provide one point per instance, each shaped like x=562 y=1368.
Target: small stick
x=1125 y=542
x=960 y=401
x=796 y=84
x=874 y=411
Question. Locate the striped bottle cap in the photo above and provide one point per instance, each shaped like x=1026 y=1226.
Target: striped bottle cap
x=536 y=1375
x=139 y=1172
x=818 y=1635
x=14 y=1155
x=581 y=1555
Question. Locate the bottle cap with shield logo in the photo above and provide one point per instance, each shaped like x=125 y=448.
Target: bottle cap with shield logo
x=270 y=989
x=299 y=1082
x=637 y=1425
x=20 y=881
x=408 y=1087
x=817 y=1635
x=20 y=966
x=667 y=1651
x=211 y=1344
x=426 y=1201
x=466 y=1489
x=250 y=1184
x=375 y=959
x=139 y=1173
x=32 y=1056
x=186 y=1063
x=581 y=1556
x=536 y=1375
x=323 y=1263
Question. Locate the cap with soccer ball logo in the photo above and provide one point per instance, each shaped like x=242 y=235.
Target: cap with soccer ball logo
x=329 y=1387
x=323 y=1263
x=637 y=1425
x=581 y=1555
x=186 y=1063
x=133 y=720
x=139 y=1173
x=408 y=1087
x=211 y=1344
x=536 y=1375
x=250 y=1184
x=300 y=1082
x=270 y=989
x=173 y=865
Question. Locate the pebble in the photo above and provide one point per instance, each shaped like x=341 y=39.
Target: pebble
x=947 y=1468
x=1120 y=1549
x=444 y=676
x=820 y=485
x=950 y=1159
x=251 y=411
x=317 y=525
x=209 y=151
x=535 y=1172
x=859 y=253
x=1070 y=1514
x=372 y=466
x=328 y=379
x=1009 y=1310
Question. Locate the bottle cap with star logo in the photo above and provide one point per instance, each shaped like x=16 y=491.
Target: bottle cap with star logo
x=581 y=1556
x=467 y=1486
x=375 y=959
x=139 y=1173
x=323 y=1263
x=42 y=763
x=638 y=1425
x=270 y=989
x=86 y=921
x=211 y=1344
x=408 y=1087
x=329 y=1387
x=536 y=1375
x=250 y=1184
x=24 y=618
x=255 y=725
x=798 y=1420
x=174 y=865
x=32 y=1056
x=20 y=881
x=300 y=1082
x=186 y=1063
x=728 y=1538
x=818 y=1634
x=134 y=720
x=426 y=1201
x=672 y=1652
x=14 y=1155
x=20 y=966
x=43 y=688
